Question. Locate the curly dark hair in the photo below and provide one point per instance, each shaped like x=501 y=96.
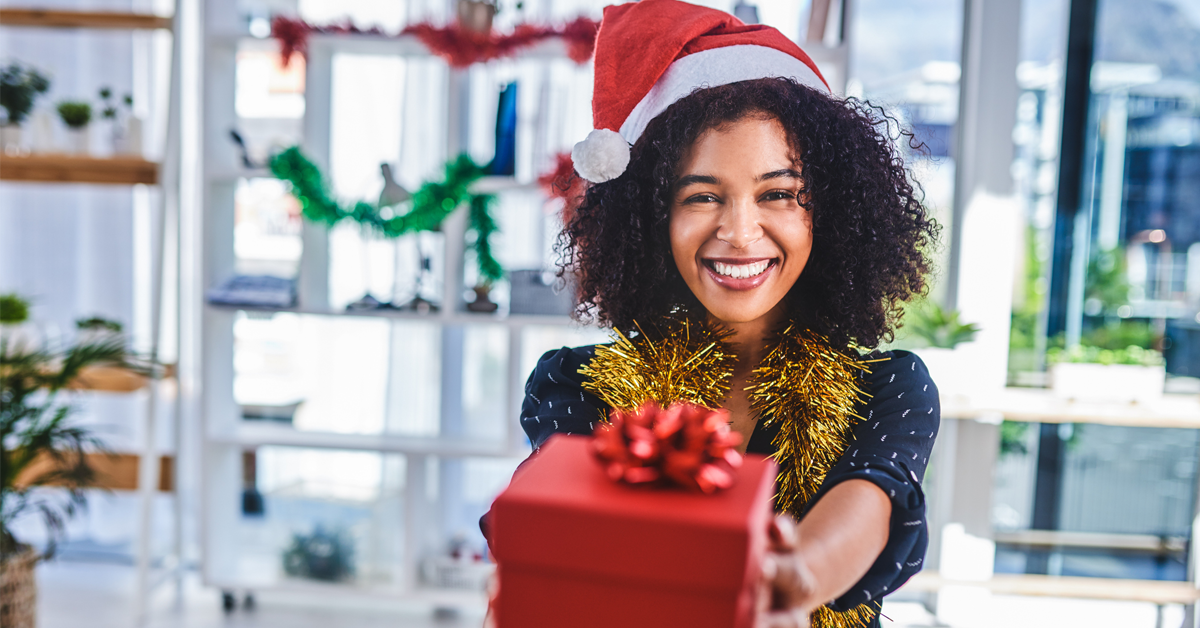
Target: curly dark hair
x=871 y=233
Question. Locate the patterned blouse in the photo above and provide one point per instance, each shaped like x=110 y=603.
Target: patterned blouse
x=890 y=448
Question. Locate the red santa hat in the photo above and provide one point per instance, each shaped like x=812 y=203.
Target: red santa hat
x=652 y=53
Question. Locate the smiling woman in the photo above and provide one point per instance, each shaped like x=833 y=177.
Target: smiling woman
x=765 y=232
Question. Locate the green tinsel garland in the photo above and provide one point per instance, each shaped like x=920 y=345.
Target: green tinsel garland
x=430 y=204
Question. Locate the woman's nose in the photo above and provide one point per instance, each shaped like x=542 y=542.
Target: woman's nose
x=740 y=224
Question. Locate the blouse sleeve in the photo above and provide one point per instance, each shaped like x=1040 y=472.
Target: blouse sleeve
x=891 y=449
x=555 y=401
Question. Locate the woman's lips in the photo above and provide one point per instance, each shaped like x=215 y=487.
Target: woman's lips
x=739 y=283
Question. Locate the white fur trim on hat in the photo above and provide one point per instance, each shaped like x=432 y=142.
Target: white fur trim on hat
x=601 y=157
x=712 y=68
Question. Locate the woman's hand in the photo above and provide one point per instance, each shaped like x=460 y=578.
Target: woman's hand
x=787 y=596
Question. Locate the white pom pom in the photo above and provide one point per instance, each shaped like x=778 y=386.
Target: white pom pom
x=601 y=157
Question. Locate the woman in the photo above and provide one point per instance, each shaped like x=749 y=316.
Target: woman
x=764 y=230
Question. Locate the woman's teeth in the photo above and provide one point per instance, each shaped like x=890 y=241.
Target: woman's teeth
x=741 y=271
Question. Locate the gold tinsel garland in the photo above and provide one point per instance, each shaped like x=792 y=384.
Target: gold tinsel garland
x=803 y=383
x=687 y=361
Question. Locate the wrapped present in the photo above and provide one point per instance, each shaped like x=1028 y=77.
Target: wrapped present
x=576 y=548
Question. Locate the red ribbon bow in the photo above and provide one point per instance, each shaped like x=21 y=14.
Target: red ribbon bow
x=684 y=444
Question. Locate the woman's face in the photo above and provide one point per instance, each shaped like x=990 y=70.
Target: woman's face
x=739 y=235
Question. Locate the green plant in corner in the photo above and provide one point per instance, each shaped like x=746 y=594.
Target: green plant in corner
x=75 y=114
x=39 y=446
x=938 y=327
x=20 y=87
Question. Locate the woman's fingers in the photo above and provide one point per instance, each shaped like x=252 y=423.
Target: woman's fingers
x=782 y=533
x=786 y=599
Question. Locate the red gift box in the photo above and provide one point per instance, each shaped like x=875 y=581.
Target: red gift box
x=575 y=548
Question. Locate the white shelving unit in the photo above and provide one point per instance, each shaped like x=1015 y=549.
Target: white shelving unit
x=421 y=470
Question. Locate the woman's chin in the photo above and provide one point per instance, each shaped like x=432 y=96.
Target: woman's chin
x=737 y=311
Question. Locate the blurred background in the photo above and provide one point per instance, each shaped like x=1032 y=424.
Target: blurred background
x=307 y=419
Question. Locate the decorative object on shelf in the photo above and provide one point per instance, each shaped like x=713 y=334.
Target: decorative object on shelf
x=392 y=193
x=429 y=205
x=683 y=445
x=126 y=128
x=563 y=183
x=322 y=555
x=937 y=332
x=243 y=151
x=99 y=329
x=504 y=164
x=939 y=327
x=253 y=504
x=20 y=87
x=271 y=412
x=459 y=46
x=1133 y=374
x=76 y=115
x=40 y=447
x=476 y=15
x=483 y=302
x=254 y=291
x=534 y=292
x=747 y=13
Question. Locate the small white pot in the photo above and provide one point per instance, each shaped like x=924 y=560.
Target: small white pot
x=10 y=139
x=1107 y=382
x=127 y=137
x=951 y=370
x=78 y=141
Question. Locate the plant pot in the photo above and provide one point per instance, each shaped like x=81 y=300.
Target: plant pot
x=78 y=141
x=476 y=15
x=948 y=370
x=10 y=138
x=1107 y=382
x=18 y=589
x=127 y=138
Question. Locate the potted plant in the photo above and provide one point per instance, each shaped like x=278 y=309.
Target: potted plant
x=20 y=87
x=937 y=332
x=39 y=447
x=126 y=129
x=76 y=115
x=1132 y=374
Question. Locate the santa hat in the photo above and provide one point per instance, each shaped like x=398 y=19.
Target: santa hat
x=652 y=53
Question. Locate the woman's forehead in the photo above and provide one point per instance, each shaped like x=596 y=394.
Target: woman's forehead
x=754 y=147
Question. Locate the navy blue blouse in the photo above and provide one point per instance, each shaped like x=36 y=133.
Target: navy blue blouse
x=890 y=447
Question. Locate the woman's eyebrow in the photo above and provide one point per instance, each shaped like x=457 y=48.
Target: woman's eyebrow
x=692 y=179
x=775 y=174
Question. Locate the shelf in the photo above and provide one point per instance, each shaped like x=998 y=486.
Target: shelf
x=441 y=597
x=445 y=318
x=257 y=434
x=114 y=471
x=1152 y=591
x=59 y=168
x=1040 y=405
x=46 y=18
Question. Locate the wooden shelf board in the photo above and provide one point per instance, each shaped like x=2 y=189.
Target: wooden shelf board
x=115 y=472
x=58 y=168
x=48 y=18
x=1153 y=591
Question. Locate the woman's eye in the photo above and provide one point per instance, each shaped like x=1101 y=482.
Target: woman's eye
x=701 y=198
x=779 y=195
